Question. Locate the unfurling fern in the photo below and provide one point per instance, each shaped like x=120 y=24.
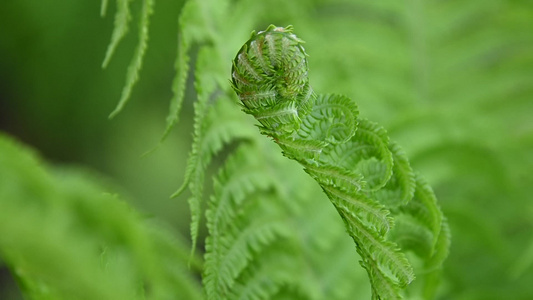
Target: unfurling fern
x=367 y=178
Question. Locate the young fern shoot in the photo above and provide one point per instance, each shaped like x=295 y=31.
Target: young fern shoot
x=367 y=178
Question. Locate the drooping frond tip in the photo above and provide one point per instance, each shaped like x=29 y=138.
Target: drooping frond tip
x=121 y=21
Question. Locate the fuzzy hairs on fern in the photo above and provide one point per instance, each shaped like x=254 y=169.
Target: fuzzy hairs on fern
x=387 y=210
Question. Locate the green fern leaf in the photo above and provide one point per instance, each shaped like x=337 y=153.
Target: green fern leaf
x=122 y=19
x=135 y=66
x=335 y=176
x=372 y=213
x=281 y=118
x=333 y=119
x=350 y=158
x=386 y=254
x=301 y=150
x=208 y=140
x=178 y=85
x=211 y=133
x=112 y=252
x=400 y=189
x=228 y=247
x=424 y=208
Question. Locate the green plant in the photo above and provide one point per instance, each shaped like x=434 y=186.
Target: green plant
x=450 y=80
x=365 y=176
x=64 y=237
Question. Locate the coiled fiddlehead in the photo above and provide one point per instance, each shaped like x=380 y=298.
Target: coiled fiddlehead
x=367 y=178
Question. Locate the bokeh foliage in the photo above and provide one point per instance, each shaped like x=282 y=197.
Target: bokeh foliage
x=452 y=82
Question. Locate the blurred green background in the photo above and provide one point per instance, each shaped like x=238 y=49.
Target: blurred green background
x=56 y=97
x=452 y=81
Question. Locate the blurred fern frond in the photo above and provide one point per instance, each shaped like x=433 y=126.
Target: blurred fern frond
x=65 y=238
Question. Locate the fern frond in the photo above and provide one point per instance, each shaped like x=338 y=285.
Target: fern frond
x=441 y=247
x=228 y=247
x=366 y=152
x=382 y=286
x=411 y=235
x=333 y=119
x=66 y=239
x=268 y=280
x=404 y=176
x=181 y=66
x=373 y=214
x=282 y=118
x=195 y=22
x=400 y=188
x=376 y=136
x=226 y=266
x=255 y=99
x=304 y=150
x=443 y=52
x=122 y=19
x=434 y=265
x=424 y=208
x=259 y=285
x=209 y=139
x=214 y=127
x=335 y=176
x=386 y=254
x=357 y=168
x=135 y=65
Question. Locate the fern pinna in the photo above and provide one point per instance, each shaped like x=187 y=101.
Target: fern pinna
x=386 y=208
